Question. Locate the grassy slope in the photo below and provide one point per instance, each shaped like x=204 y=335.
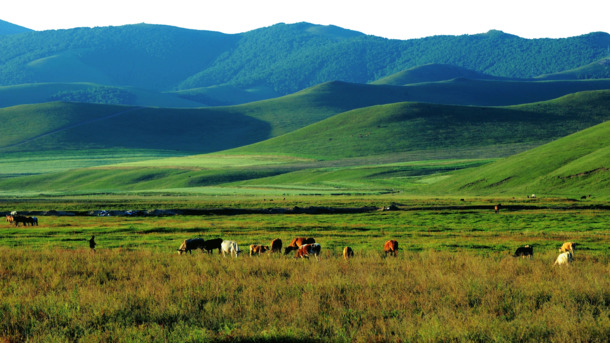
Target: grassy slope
x=576 y=165
x=376 y=135
x=408 y=127
x=69 y=126
x=431 y=73
x=35 y=93
x=596 y=70
x=255 y=121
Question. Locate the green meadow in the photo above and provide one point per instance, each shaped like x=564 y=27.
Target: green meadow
x=454 y=277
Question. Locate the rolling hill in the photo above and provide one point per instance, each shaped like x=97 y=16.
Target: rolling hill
x=575 y=165
x=432 y=73
x=61 y=126
x=463 y=131
x=377 y=135
x=37 y=93
x=596 y=70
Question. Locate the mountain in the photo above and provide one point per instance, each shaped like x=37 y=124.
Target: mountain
x=7 y=28
x=575 y=165
x=280 y=59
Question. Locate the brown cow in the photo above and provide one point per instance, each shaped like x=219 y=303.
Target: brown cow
x=568 y=246
x=256 y=249
x=497 y=208
x=276 y=245
x=306 y=249
x=391 y=247
x=348 y=253
x=186 y=246
x=297 y=243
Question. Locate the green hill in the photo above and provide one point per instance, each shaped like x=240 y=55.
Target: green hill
x=72 y=126
x=375 y=137
x=465 y=131
x=596 y=70
x=576 y=165
x=36 y=93
x=431 y=73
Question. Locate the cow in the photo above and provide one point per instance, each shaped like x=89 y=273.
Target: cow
x=230 y=247
x=191 y=244
x=306 y=249
x=497 y=208
x=348 y=253
x=212 y=244
x=22 y=219
x=9 y=218
x=568 y=246
x=524 y=251
x=297 y=243
x=256 y=249
x=391 y=247
x=276 y=246
x=32 y=220
x=564 y=258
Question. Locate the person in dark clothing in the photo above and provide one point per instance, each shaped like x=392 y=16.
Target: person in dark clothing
x=92 y=243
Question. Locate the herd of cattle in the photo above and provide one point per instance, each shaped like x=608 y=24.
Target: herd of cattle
x=16 y=219
x=305 y=247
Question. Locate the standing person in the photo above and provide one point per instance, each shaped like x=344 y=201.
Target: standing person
x=92 y=243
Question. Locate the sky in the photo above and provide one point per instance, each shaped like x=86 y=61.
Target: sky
x=395 y=19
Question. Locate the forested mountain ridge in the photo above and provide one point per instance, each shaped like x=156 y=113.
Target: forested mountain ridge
x=7 y=28
x=284 y=57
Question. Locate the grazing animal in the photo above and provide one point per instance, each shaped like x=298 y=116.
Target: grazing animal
x=9 y=218
x=391 y=247
x=497 y=208
x=564 y=258
x=524 y=251
x=568 y=246
x=212 y=244
x=32 y=220
x=306 y=249
x=348 y=253
x=276 y=246
x=297 y=243
x=256 y=249
x=191 y=244
x=230 y=247
x=21 y=219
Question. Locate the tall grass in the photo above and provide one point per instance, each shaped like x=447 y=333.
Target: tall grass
x=116 y=295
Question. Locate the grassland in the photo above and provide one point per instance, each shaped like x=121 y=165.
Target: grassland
x=454 y=278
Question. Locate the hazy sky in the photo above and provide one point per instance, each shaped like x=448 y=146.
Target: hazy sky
x=401 y=19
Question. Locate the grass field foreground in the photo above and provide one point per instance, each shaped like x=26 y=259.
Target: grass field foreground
x=122 y=296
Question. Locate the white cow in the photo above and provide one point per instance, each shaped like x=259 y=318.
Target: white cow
x=229 y=247
x=564 y=258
